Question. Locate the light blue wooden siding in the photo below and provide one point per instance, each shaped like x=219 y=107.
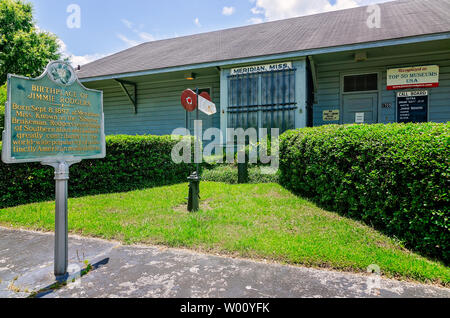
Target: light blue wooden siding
x=159 y=106
x=329 y=95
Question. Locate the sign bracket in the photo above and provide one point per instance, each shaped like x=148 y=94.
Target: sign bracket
x=131 y=98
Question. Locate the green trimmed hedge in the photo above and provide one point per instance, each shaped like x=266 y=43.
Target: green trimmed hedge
x=132 y=162
x=229 y=174
x=394 y=177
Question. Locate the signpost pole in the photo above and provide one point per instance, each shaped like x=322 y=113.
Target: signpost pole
x=197 y=141
x=187 y=120
x=194 y=179
x=187 y=101
x=61 y=222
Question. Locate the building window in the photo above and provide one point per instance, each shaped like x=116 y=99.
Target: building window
x=262 y=100
x=360 y=83
x=202 y=90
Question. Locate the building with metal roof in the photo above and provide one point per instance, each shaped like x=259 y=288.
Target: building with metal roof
x=378 y=64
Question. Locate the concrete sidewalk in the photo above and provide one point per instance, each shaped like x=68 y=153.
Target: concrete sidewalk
x=26 y=266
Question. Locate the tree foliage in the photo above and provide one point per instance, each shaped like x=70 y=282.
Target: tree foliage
x=24 y=49
x=2 y=95
x=2 y=108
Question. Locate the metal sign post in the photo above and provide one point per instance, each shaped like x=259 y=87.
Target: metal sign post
x=197 y=141
x=61 y=214
x=54 y=120
x=194 y=101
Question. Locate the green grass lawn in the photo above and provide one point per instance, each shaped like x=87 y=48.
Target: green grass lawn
x=262 y=221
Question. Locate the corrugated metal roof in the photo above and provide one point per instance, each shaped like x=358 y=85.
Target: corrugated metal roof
x=399 y=19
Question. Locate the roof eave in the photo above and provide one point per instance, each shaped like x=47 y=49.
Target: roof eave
x=296 y=54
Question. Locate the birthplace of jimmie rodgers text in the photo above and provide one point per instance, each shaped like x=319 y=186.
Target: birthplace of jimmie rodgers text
x=53 y=116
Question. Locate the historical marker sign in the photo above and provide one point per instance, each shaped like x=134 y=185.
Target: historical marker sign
x=55 y=120
x=52 y=118
x=412 y=106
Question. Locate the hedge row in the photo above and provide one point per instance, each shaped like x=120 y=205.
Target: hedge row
x=229 y=174
x=393 y=177
x=132 y=162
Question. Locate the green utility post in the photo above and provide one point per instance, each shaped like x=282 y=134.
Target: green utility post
x=243 y=166
x=194 y=192
x=194 y=179
x=243 y=172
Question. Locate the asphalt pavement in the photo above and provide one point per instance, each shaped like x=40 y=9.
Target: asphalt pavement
x=26 y=269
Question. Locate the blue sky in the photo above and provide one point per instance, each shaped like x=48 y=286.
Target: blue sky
x=109 y=26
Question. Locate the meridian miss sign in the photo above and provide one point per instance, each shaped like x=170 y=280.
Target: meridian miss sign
x=261 y=68
x=52 y=117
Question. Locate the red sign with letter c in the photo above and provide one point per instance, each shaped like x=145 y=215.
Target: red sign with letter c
x=189 y=100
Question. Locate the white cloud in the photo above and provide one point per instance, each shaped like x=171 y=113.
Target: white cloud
x=255 y=20
x=127 y=23
x=197 y=22
x=257 y=10
x=228 y=10
x=127 y=41
x=78 y=59
x=62 y=47
x=85 y=59
x=283 y=9
x=146 y=36
x=143 y=36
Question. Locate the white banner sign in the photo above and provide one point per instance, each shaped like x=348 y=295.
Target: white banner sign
x=261 y=68
x=413 y=77
x=206 y=106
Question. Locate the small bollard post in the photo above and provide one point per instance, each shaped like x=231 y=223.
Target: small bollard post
x=243 y=173
x=194 y=192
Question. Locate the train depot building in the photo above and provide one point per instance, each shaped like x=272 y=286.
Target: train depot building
x=332 y=68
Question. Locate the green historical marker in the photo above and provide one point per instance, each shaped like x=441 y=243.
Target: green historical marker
x=52 y=117
x=54 y=120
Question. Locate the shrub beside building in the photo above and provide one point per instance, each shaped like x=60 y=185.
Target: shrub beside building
x=394 y=177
